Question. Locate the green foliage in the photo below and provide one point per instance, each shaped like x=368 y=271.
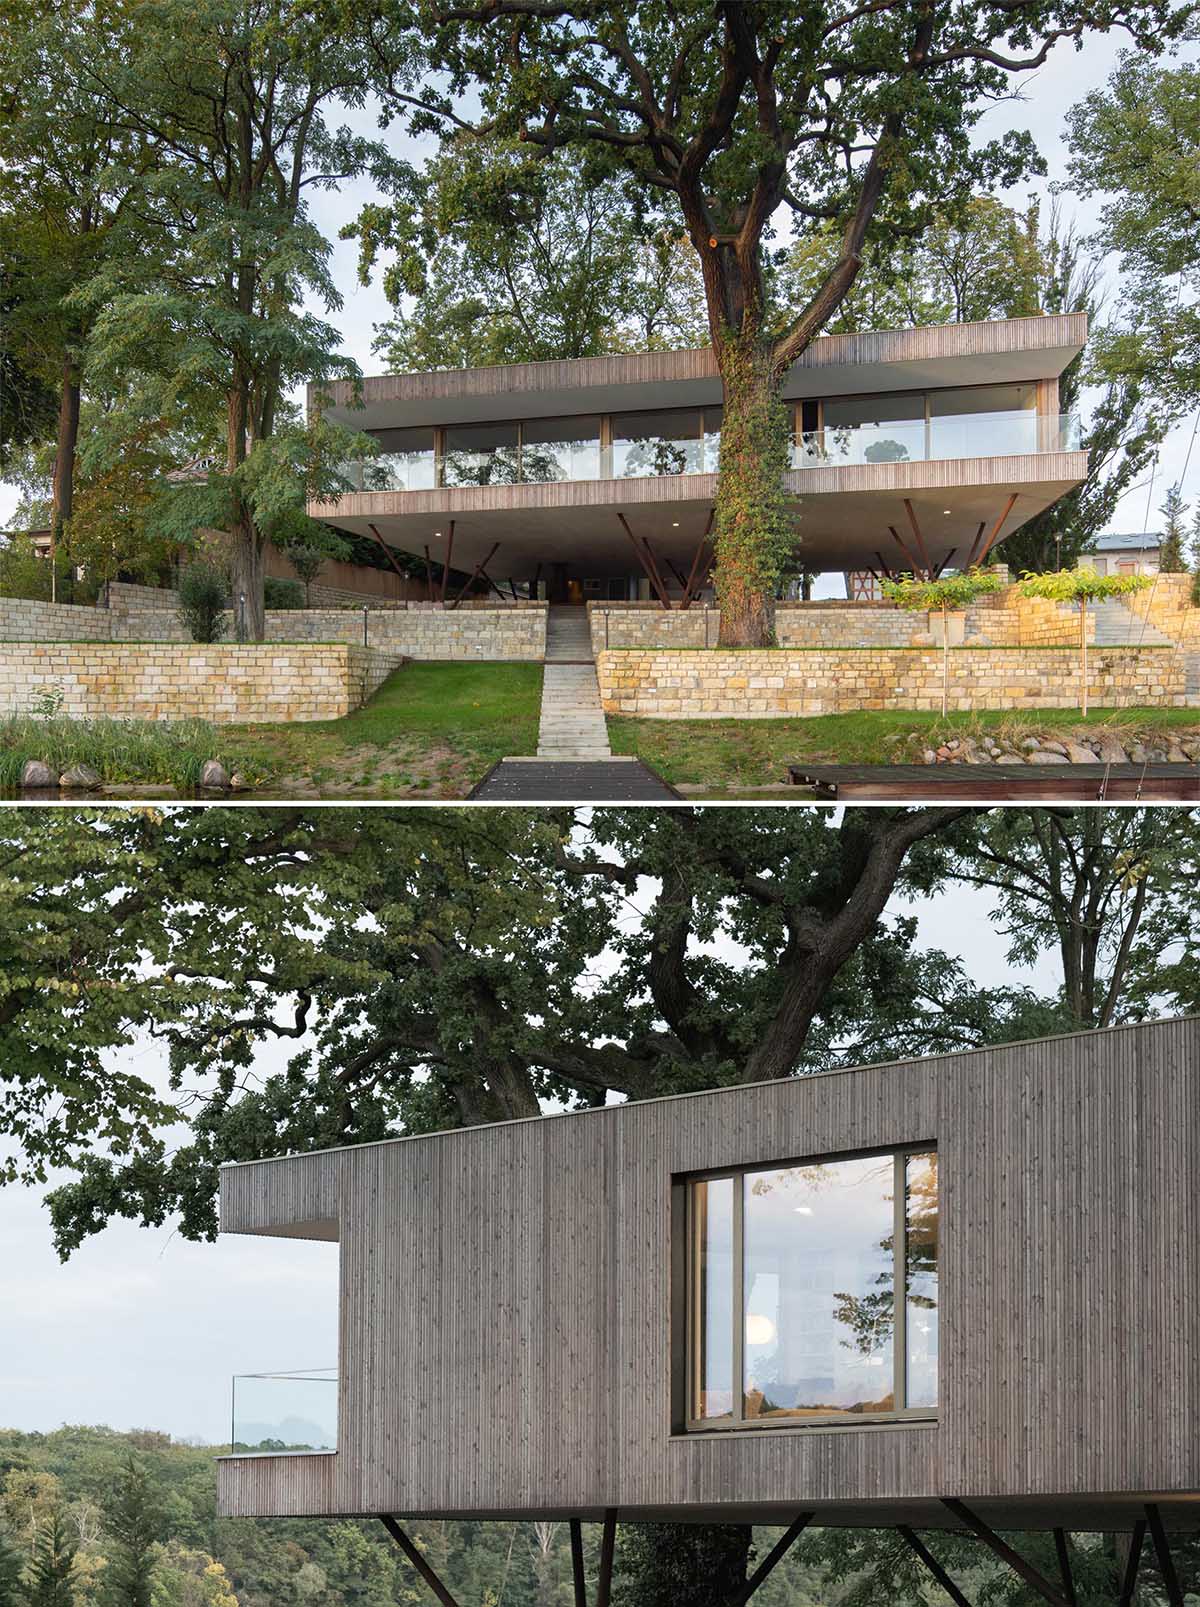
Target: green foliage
x=155 y=752
x=11 y=1593
x=134 y=1525
x=48 y=1581
x=1080 y=586
x=203 y=601
x=284 y=594
x=1136 y=144
x=512 y=259
x=947 y=591
x=1172 y=559
x=24 y=573
x=663 y=1564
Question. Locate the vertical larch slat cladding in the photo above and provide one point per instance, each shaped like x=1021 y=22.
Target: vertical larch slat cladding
x=506 y=1292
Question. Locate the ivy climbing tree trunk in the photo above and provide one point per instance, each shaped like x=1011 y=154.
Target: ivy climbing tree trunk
x=754 y=527
x=63 y=492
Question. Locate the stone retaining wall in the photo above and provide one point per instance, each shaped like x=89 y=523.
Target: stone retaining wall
x=1168 y=605
x=661 y=684
x=615 y=625
x=24 y=620
x=164 y=681
x=1010 y=619
x=433 y=633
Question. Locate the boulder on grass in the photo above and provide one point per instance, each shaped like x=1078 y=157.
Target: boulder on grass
x=36 y=776
x=238 y=782
x=80 y=778
x=213 y=776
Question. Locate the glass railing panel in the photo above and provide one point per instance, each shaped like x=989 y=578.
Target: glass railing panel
x=544 y=461
x=399 y=471
x=657 y=455
x=293 y=1411
x=967 y=435
x=502 y=466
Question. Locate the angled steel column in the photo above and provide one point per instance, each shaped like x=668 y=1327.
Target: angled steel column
x=607 y=1542
x=935 y=1568
x=1132 y=1563
x=577 y=1574
x=1005 y=1552
x=1063 y=1551
x=418 y=1562
x=1166 y=1563
x=776 y=1554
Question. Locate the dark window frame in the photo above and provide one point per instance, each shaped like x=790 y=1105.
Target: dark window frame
x=685 y=1301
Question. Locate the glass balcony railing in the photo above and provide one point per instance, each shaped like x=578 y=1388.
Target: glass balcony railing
x=965 y=435
x=294 y=1411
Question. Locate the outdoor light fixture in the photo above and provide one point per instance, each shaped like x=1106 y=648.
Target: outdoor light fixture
x=803 y=1210
x=760 y=1330
x=945 y=510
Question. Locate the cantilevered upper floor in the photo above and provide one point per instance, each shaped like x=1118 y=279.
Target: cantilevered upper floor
x=540 y=458
x=969 y=1278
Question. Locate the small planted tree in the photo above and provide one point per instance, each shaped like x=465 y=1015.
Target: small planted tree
x=202 y=592
x=946 y=592
x=1081 y=586
x=1171 y=557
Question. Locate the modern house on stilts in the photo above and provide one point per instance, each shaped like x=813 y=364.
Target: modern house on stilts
x=573 y=481
x=952 y=1292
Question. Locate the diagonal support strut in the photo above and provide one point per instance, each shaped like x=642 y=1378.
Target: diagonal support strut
x=776 y=1555
x=418 y=1562
x=1005 y=1552
x=916 y=1544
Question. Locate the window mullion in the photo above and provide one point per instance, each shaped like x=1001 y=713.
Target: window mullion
x=900 y=1285
x=738 y=1403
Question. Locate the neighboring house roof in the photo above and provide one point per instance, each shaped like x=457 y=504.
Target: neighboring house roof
x=1143 y=541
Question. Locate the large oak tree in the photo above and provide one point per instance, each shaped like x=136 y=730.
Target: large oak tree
x=742 y=117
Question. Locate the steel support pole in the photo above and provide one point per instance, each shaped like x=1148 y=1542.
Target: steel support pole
x=1032 y=1577
x=418 y=1562
x=996 y=528
x=1166 y=1563
x=577 y=1574
x=1063 y=1552
x=776 y=1555
x=916 y=1544
x=608 y=1542
x=446 y=565
x=920 y=539
x=1132 y=1563
x=656 y=585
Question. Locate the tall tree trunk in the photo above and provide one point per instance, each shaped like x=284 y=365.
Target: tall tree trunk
x=755 y=530
x=680 y=1564
x=64 y=464
x=247 y=574
x=247 y=569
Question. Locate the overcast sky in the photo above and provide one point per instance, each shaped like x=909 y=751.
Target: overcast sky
x=141 y=1329
x=1046 y=95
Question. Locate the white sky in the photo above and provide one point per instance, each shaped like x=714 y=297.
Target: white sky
x=141 y=1329
x=1046 y=94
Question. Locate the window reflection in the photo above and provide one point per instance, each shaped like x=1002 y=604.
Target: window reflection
x=921 y=1279
x=561 y=449
x=657 y=443
x=405 y=462
x=481 y=454
x=875 y=429
x=714 y=1227
x=801 y=1274
x=819 y=1296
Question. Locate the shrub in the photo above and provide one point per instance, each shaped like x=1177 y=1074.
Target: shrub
x=202 y=603
x=1196 y=589
x=282 y=593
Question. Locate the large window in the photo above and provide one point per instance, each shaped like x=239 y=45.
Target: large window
x=813 y=1292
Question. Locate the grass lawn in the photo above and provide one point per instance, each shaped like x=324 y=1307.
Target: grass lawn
x=727 y=757
x=431 y=730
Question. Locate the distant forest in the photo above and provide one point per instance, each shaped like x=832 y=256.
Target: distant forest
x=93 y=1518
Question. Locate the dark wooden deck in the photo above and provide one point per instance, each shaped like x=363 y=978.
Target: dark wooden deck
x=1002 y=783
x=569 y=781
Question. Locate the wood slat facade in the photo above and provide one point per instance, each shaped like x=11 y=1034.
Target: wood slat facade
x=506 y=1334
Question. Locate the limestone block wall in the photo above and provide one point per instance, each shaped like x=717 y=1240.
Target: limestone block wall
x=665 y=684
x=616 y=625
x=1168 y=605
x=1009 y=619
x=483 y=634
x=166 y=681
x=24 y=620
x=125 y=597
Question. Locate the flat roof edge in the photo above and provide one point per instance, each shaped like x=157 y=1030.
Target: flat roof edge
x=1093 y=1034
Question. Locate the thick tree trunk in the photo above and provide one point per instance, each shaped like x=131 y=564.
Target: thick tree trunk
x=754 y=527
x=680 y=1564
x=247 y=574
x=63 y=496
